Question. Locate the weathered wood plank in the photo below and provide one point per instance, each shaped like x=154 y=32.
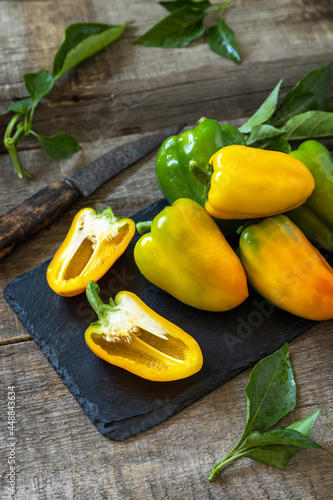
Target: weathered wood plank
x=60 y=455
x=128 y=89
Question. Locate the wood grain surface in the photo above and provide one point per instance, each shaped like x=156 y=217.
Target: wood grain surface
x=128 y=88
x=60 y=455
x=109 y=99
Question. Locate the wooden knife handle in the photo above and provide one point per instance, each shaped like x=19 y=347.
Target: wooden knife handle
x=34 y=213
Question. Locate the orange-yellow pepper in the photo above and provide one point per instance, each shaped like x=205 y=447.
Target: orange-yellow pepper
x=248 y=182
x=92 y=245
x=285 y=268
x=132 y=336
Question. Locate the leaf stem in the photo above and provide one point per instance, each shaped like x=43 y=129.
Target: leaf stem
x=11 y=148
x=26 y=133
x=33 y=107
x=224 y=5
x=11 y=125
x=217 y=469
x=230 y=456
x=19 y=132
x=219 y=8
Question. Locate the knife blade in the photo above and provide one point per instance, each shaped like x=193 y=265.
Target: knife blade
x=43 y=207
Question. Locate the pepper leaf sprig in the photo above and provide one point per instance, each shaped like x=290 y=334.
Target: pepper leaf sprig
x=303 y=114
x=81 y=40
x=185 y=23
x=271 y=394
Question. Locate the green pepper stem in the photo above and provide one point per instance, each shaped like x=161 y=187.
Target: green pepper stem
x=201 y=175
x=92 y=292
x=144 y=227
x=107 y=212
x=248 y=223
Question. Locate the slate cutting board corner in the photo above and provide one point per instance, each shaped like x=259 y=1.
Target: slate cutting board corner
x=119 y=403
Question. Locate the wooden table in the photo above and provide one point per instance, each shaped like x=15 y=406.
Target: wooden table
x=118 y=94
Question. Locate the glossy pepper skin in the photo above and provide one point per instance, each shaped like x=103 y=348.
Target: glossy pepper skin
x=186 y=255
x=315 y=216
x=285 y=268
x=93 y=243
x=132 y=336
x=248 y=182
x=195 y=146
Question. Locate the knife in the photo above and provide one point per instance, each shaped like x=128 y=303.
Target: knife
x=43 y=207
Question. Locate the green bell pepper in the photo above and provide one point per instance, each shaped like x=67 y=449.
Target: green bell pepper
x=315 y=217
x=193 y=147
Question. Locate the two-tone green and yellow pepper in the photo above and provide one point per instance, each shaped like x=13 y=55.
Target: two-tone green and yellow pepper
x=187 y=255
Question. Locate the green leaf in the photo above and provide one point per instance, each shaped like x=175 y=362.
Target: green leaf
x=82 y=40
x=280 y=455
x=304 y=426
x=38 y=84
x=309 y=125
x=176 y=4
x=278 y=144
x=299 y=100
x=176 y=30
x=298 y=104
x=23 y=106
x=221 y=39
x=281 y=437
x=58 y=146
x=270 y=392
x=263 y=133
x=264 y=112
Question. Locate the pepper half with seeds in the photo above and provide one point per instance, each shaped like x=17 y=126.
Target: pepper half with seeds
x=132 y=336
x=93 y=243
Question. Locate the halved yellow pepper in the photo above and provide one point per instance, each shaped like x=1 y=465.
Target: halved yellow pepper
x=132 y=336
x=93 y=243
x=249 y=182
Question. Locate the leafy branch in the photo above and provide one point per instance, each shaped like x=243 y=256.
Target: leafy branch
x=303 y=114
x=185 y=23
x=81 y=40
x=271 y=394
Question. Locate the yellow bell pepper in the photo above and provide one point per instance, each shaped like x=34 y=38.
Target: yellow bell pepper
x=93 y=243
x=186 y=255
x=132 y=336
x=285 y=268
x=246 y=183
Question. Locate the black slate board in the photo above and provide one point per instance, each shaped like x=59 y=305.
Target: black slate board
x=119 y=403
